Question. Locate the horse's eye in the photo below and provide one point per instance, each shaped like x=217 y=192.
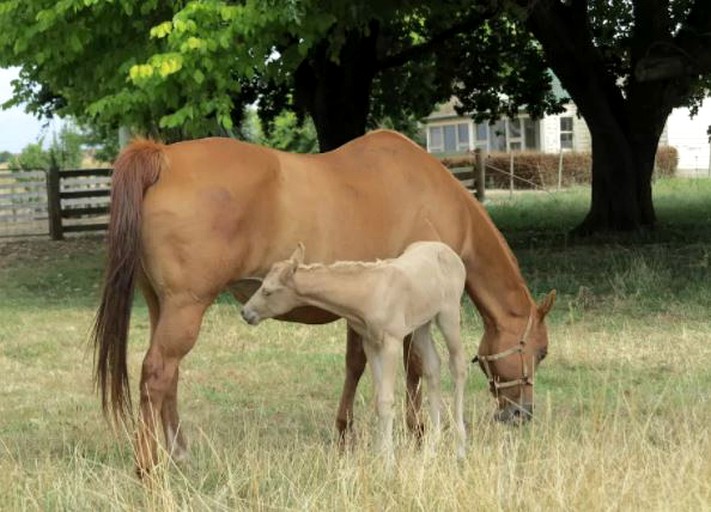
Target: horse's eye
x=542 y=353
x=266 y=292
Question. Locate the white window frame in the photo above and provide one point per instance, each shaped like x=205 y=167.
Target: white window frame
x=570 y=132
x=461 y=145
x=506 y=132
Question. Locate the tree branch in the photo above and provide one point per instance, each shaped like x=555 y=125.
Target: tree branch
x=686 y=55
x=470 y=23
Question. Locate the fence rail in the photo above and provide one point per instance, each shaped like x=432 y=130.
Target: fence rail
x=78 y=200
x=23 y=203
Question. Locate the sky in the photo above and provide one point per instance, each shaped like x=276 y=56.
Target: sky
x=18 y=129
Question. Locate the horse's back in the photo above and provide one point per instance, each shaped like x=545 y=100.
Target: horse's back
x=224 y=209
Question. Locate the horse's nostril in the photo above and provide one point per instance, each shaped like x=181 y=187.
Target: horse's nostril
x=249 y=316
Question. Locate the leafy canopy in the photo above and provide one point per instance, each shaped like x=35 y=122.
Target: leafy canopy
x=182 y=69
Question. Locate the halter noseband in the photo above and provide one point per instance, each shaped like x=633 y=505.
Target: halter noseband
x=525 y=379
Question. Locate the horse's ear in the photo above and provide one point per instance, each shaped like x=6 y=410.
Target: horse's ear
x=547 y=304
x=297 y=257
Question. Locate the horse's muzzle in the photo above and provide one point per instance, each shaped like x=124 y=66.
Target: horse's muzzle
x=250 y=316
x=515 y=414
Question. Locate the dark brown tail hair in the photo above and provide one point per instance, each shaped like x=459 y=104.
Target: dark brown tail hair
x=137 y=168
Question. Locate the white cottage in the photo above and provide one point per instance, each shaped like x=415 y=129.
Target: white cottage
x=449 y=133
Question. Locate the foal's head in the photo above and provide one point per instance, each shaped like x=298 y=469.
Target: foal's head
x=276 y=295
x=509 y=359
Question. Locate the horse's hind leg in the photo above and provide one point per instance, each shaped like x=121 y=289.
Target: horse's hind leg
x=175 y=334
x=413 y=373
x=423 y=343
x=355 y=365
x=174 y=437
x=448 y=322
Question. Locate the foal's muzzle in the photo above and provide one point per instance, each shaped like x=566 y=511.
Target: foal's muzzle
x=250 y=316
x=515 y=414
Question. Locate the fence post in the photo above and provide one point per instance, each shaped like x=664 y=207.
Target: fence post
x=479 y=175
x=54 y=202
x=511 y=175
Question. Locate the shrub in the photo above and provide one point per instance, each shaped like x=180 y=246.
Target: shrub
x=534 y=169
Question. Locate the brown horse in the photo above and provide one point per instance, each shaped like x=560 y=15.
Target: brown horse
x=191 y=220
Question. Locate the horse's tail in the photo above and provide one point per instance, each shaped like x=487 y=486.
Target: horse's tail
x=137 y=168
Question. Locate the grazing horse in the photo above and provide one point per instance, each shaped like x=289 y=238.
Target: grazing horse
x=383 y=302
x=190 y=220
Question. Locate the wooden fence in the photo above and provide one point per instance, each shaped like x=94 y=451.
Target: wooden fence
x=53 y=202
x=23 y=203
x=77 y=200
x=472 y=177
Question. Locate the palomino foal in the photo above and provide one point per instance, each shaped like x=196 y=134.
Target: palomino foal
x=383 y=301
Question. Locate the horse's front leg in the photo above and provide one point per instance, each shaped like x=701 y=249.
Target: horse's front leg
x=355 y=365
x=383 y=364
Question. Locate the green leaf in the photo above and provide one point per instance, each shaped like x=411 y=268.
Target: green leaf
x=162 y=30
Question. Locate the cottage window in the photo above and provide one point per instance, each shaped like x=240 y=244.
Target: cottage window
x=530 y=130
x=566 y=132
x=449 y=138
x=504 y=135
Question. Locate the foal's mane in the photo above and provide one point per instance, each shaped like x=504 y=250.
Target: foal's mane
x=345 y=266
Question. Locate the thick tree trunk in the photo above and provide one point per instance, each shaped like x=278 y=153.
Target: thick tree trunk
x=336 y=94
x=621 y=185
x=625 y=122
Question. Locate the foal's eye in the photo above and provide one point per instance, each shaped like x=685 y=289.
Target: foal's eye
x=266 y=292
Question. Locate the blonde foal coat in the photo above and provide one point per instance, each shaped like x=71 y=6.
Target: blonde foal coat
x=383 y=302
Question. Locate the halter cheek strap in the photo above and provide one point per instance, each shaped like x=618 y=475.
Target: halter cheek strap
x=525 y=379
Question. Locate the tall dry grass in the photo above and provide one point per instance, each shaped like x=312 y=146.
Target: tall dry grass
x=622 y=421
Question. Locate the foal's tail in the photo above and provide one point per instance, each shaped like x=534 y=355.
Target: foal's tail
x=137 y=168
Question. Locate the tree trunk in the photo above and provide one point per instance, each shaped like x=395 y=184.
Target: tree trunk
x=621 y=185
x=336 y=94
x=625 y=125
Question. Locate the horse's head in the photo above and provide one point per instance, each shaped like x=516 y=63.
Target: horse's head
x=509 y=357
x=276 y=295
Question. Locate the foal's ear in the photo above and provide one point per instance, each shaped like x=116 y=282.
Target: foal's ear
x=297 y=257
x=547 y=304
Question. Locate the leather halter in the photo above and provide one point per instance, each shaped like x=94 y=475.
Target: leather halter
x=525 y=379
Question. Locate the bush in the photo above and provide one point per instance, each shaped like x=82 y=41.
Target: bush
x=534 y=169
x=667 y=162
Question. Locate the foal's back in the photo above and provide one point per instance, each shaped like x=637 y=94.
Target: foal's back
x=426 y=278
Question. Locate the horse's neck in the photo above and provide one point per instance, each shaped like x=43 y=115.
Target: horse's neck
x=342 y=291
x=494 y=280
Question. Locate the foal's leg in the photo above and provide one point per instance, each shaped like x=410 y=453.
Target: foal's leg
x=174 y=438
x=383 y=363
x=422 y=339
x=174 y=336
x=355 y=365
x=413 y=372
x=448 y=322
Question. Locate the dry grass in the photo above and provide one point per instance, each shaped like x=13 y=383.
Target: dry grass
x=622 y=419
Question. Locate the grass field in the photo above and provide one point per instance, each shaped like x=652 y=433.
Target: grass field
x=623 y=419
